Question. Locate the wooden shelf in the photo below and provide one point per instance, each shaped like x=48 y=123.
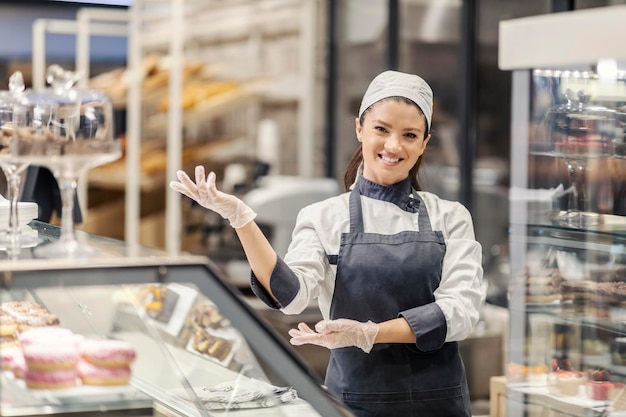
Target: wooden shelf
x=113 y=176
x=210 y=108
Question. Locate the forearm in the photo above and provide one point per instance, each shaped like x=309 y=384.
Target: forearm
x=395 y=331
x=259 y=252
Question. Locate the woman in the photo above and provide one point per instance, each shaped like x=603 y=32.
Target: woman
x=396 y=270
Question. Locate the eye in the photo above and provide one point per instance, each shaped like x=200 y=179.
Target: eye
x=411 y=135
x=380 y=129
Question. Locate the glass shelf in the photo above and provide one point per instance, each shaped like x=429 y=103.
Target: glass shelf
x=199 y=346
x=567 y=245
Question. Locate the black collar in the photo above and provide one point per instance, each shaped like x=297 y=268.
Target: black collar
x=399 y=193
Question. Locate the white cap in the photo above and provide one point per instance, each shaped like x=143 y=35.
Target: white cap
x=400 y=84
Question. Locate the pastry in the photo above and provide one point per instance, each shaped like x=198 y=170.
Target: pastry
x=28 y=314
x=24 y=307
x=207 y=315
x=213 y=346
x=91 y=374
x=8 y=341
x=43 y=334
x=542 y=286
x=18 y=366
x=160 y=303
x=598 y=386
x=107 y=353
x=195 y=92
x=599 y=390
x=566 y=382
x=7 y=356
x=61 y=378
x=26 y=321
x=8 y=326
x=47 y=357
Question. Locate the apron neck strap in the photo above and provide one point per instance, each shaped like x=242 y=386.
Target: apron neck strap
x=423 y=220
x=356 y=213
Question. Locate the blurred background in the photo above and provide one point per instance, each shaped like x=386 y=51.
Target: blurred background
x=269 y=91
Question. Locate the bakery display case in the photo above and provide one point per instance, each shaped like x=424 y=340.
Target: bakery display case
x=132 y=331
x=567 y=289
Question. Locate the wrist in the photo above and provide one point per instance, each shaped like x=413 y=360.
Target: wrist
x=242 y=216
x=370 y=330
x=395 y=331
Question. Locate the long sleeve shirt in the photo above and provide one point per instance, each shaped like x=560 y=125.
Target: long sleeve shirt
x=305 y=273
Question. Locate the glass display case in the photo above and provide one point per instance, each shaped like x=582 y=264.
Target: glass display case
x=132 y=331
x=567 y=289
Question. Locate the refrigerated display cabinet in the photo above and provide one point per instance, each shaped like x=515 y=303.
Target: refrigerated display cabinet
x=567 y=289
x=200 y=350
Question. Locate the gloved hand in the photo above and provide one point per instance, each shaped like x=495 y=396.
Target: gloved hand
x=205 y=193
x=338 y=333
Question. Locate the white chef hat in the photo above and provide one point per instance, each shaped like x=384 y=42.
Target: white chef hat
x=395 y=83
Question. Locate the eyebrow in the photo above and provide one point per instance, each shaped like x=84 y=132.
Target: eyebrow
x=410 y=129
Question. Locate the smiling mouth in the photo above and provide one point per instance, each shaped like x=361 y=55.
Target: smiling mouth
x=390 y=160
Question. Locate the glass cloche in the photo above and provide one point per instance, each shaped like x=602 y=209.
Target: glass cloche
x=67 y=130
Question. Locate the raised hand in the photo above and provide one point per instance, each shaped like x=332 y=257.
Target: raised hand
x=205 y=193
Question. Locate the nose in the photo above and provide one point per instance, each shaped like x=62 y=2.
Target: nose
x=392 y=143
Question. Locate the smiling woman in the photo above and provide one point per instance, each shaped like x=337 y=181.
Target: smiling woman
x=393 y=137
x=396 y=270
x=398 y=107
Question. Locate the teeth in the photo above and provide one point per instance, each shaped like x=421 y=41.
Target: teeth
x=387 y=159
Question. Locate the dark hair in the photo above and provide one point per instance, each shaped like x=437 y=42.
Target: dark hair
x=356 y=159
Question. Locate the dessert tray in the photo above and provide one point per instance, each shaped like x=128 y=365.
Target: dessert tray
x=81 y=394
x=575 y=405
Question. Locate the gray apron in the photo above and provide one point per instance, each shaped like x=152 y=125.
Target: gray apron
x=379 y=276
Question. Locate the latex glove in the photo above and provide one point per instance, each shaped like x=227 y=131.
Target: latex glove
x=205 y=193
x=333 y=334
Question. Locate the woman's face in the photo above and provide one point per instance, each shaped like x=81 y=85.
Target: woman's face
x=392 y=138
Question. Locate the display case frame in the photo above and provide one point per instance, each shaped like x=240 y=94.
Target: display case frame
x=118 y=265
x=560 y=357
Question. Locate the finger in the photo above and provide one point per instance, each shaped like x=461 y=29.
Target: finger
x=312 y=339
x=323 y=326
x=338 y=325
x=304 y=328
x=176 y=186
x=187 y=184
x=182 y=176
x=211 y=182
x=200 y=176
x=207 y=190
x=297 y=333
x=185 y=180
x=206 y=185
x=296 y=341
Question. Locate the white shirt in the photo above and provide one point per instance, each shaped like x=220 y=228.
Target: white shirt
x=317 y=234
